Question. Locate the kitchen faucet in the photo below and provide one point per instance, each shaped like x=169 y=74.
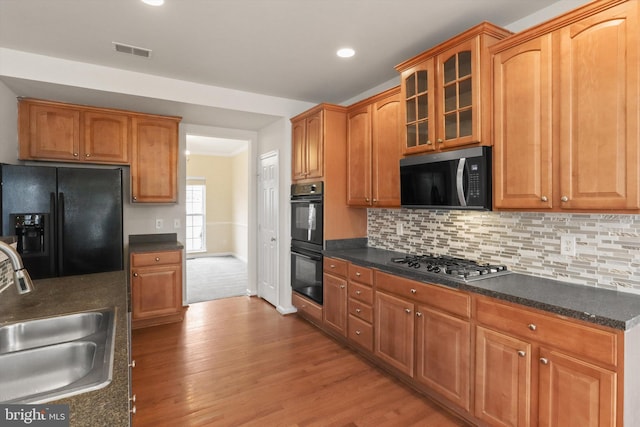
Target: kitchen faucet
x=21 y=277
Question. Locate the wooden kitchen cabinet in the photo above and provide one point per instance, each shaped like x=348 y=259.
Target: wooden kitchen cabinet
x=445 y=97
x=423 y=331
x=373 y=147
x=395 y=332
x=308 y=309
x=537 y=369
x=308 y=137
x=360 y=307
x=154 y=159
x=156 y=288
x=565 y=112
x=334 y=299
x=71 y=133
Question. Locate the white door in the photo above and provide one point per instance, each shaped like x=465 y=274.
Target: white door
x=268 y=228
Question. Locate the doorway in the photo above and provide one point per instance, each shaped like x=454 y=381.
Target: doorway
x=217 y=216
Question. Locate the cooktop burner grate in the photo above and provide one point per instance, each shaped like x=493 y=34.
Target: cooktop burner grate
x=455 y=268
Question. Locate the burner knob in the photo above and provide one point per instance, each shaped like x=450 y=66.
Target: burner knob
x=436 y=269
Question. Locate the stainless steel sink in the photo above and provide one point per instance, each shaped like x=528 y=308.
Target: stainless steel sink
x=49 y=359
x=38 y=333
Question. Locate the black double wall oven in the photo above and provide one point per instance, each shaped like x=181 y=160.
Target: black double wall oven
x=306 y=239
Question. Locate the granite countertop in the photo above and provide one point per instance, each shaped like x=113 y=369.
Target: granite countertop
x=108 y=406
x=605 y=307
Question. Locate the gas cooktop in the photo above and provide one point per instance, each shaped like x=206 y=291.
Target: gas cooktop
x=458 y=269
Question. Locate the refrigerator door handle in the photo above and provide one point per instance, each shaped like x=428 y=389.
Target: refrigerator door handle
x=60 y=229
x=51 y=233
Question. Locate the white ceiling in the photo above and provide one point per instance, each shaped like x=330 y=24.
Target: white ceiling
x=283 y=48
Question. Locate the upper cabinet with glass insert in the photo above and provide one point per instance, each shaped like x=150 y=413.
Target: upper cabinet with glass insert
x=445 y=94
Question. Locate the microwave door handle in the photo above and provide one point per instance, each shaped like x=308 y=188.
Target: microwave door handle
x=312 y=258
x=459 y=182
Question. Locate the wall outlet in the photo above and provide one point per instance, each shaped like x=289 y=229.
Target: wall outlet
x=400 y=228
x=568 y=245
x=176 y=223
x=159 y=223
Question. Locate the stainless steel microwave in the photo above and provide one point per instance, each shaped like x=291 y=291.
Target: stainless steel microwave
x=458 y=179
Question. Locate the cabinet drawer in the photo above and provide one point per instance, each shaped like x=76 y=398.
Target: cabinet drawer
x=361 y=293
x=361 y=274
x=307 y=308
x=335 y=266
x=361 y=310
x=156 y=258
x=580 y=339
x=452 y=301
x=361 y=333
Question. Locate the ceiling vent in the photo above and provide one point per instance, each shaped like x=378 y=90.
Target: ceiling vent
x=132 y=50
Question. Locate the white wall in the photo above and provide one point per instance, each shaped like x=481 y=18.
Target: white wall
x=277 y=137
x=8 y=125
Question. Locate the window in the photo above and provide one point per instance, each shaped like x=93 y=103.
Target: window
x=195 y=224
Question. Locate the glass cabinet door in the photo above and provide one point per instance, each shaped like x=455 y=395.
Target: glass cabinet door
x=418 y=84
x=458 y=95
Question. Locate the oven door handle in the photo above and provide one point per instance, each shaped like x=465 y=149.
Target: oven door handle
x=312 y=258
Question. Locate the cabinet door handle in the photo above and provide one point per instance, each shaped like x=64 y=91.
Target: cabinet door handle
x=342 y=286
x=544 y=198
x=429 y=142
x=532 y=326
x=358 y=310
x=135 y=274
x=358 y=292
x=440 y=141
x=564 y=199
x=408 y=311
x=544 y=360
x=133 y=410
x=332 y=266
x=133 y=398
x=135 y=198
x=413 y=291
x=358 y=332
x=419 y=314
x=358 y=273
x=87 y=155
x=521 y=353
x=157 y=259
x=75 y=154
x=132 y=364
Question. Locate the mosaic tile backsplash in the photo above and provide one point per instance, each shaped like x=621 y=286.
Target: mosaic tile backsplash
x=607 y=246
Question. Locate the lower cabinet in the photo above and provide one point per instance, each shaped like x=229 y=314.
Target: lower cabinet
x=492 y=362
x=536 y=370
x=156 y=288
x=423 y=331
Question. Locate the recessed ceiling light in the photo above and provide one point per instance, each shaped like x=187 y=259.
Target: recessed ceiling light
x=345 y=52
x=154 y=2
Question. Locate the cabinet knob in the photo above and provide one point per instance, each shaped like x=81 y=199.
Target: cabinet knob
x=135 y=198
x=440 y=141
x=419 y=314
x=413 y=291
x=87 y=155
x=75 y=154
x=157 y=259
x=532 y=326
x=407 y=310
x=132 y=364
x=135 y=274
x=133 y=410
x=375 y=200
x=358 y=273
x=133 y=398
x=521 y=353
x=358 y=332
x=564 y=199
x=358 y=310
x=544 y=198
x=342 y=286
x=332 y=266
x=358 y=292
x=544 y=360
x=366 y=199
x=429 y=142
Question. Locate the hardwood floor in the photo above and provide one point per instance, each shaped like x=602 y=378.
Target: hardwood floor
x=237 y=362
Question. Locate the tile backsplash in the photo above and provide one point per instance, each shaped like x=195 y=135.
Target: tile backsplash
x=607 y=246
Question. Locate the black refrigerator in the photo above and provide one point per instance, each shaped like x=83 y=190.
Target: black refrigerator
x=68 y=221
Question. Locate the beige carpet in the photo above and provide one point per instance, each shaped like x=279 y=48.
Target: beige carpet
x=215 y=277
